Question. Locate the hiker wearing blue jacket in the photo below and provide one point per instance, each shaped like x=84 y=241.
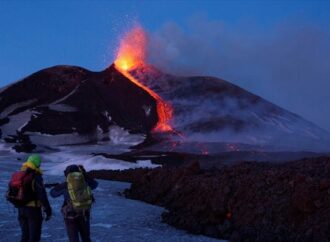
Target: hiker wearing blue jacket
x=77 y=202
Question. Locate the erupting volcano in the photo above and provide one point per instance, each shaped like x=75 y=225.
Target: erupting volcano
x=131 y=55
x=131 y=100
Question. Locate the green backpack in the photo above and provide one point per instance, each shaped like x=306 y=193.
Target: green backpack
x=80 y=193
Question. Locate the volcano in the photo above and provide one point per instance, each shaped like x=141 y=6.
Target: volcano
x=213 y=111
x=65 y=105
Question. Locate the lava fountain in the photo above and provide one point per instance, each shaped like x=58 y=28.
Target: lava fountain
x=131 y=55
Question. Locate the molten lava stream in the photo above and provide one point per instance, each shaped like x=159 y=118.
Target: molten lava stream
x=164 y=110
x=132 y=54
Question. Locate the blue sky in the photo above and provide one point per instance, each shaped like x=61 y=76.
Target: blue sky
x=39 y=34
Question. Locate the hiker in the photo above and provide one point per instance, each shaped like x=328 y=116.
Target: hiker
x=27 y=192
x=78 y=199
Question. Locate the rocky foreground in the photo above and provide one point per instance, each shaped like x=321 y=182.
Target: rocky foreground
x=247 y=201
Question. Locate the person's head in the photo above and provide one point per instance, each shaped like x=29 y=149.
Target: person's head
x=71 y=168
x=35 y=159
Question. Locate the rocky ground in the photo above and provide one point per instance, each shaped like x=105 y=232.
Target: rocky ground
x=246 y=201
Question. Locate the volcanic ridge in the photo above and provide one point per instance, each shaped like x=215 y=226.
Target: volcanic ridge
x=65 y=105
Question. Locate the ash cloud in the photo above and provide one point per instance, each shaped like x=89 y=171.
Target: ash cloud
x=288 y=64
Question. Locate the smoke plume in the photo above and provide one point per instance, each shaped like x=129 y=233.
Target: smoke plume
x=288 y=64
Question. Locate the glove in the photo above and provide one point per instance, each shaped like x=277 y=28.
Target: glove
x=48 y=213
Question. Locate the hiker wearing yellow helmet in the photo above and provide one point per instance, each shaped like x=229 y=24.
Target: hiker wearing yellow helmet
x=30 y=199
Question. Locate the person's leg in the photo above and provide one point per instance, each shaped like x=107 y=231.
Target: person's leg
x=23 y=222
x=35 y=223
x=72 y=229
x=84 y=227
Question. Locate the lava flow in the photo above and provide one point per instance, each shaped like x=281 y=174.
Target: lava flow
x=131 y=55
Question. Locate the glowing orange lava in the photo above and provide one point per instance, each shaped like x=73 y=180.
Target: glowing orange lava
x=131 y=55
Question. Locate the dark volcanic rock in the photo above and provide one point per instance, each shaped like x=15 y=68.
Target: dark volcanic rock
x=22 y=143
x=248 y=201
x=130 y=175
x=73 y=100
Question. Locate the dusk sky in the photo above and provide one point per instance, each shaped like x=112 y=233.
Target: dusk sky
x=279 y=50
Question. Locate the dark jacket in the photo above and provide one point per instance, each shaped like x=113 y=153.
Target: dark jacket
x=40 y=193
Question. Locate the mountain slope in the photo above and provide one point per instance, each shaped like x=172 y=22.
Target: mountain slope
x=208 y=109
x=66 y=100
x=65 y=105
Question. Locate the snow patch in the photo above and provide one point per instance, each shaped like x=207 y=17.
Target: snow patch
x=5 y=149
x=96 y=163
x=57 y=140
x=16 y=123
x=119 y=135
x=147 y=110
x=102 y=225
x=107 y=115
x=15 y=106
x=62 y=108
x=100 y=133
x=67 y=96
x=311 y=134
